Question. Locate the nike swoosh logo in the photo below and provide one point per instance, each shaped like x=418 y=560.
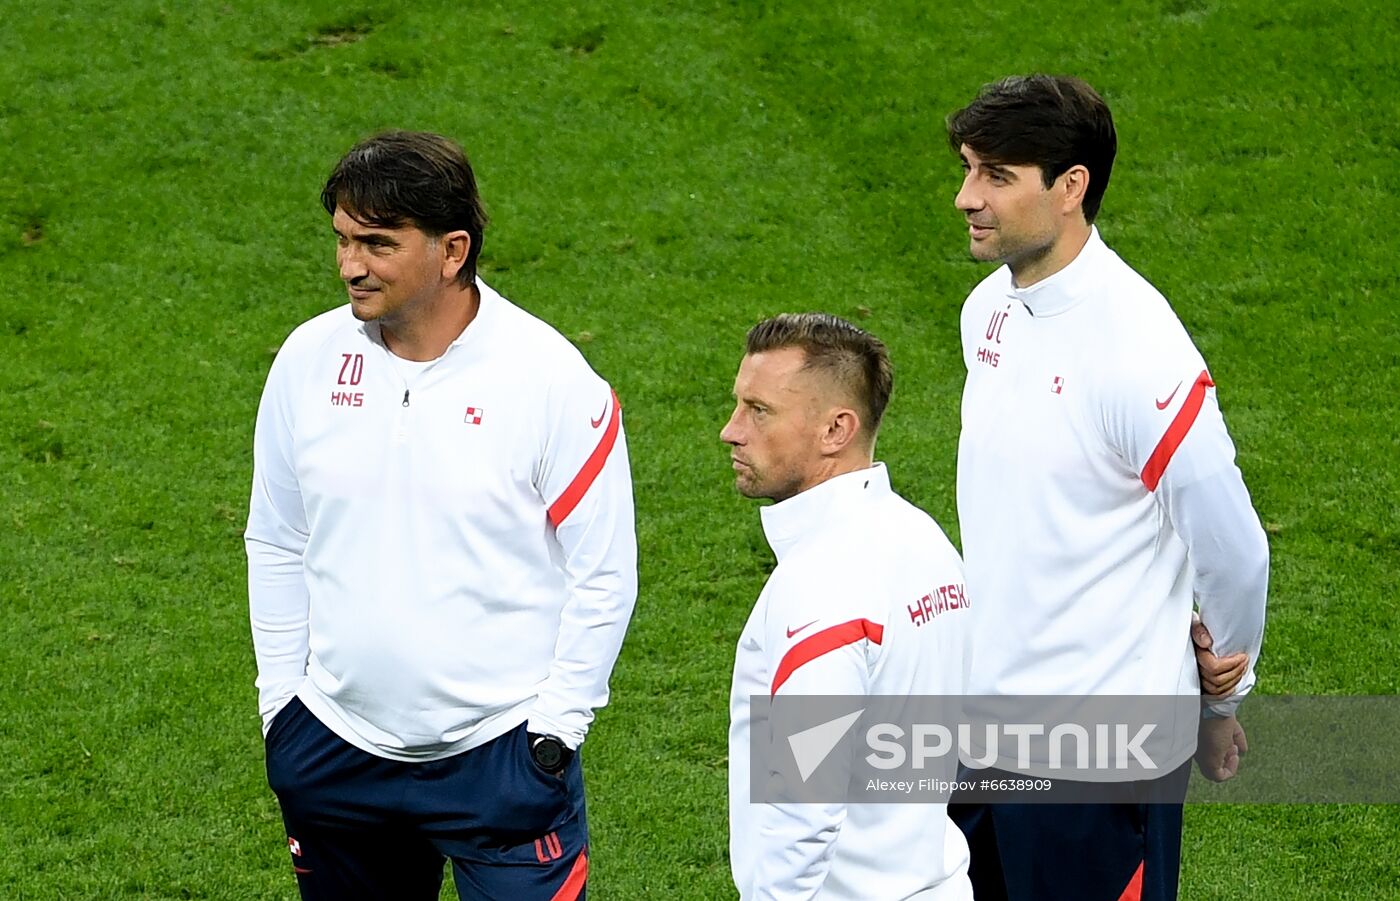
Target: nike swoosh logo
x=599 y=421
x=792 y=632
x=1162 y=404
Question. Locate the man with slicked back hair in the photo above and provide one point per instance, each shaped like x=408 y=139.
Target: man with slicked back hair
x=1098 y=497
x=441 y=557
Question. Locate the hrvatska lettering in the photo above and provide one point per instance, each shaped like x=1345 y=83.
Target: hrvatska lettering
x=936 y=602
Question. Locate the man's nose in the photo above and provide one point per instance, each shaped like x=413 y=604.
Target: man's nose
x=968 y=200
x=351 y=267
x=730 y=433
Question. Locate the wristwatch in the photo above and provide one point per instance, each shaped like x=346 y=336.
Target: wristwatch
x=549 y=753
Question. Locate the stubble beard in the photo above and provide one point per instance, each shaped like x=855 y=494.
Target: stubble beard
x=757 y=488
x=983 y=253
x=1020 y=253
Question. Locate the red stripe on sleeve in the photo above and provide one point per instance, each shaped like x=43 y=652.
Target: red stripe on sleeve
x=824 y=642
x=578 y=877
x=1176 y=432
x=560 y=509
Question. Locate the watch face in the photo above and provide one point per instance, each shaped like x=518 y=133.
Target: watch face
x=548 y=753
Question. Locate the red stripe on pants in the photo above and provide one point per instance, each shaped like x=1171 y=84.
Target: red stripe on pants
x=578 y=878
x=1134 y=890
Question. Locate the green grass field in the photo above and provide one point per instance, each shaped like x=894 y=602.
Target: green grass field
x=659 y=178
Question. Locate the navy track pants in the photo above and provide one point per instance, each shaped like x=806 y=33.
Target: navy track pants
x=364 y=827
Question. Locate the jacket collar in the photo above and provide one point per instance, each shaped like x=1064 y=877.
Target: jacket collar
x=788 y=522
x=485 y=314
x=1061 y=291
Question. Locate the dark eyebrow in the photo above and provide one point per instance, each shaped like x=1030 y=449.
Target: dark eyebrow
x=997 y=169
x=373 y=239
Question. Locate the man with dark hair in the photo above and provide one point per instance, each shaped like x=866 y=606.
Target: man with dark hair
x=840 y=614
x=1098 y=494
x=411 y=177
x=441 y=557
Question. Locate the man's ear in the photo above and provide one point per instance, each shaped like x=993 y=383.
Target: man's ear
x=455 y=247
x=1074 y=181
x=842 y=427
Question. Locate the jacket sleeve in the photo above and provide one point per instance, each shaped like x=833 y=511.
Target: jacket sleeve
x=275 y=540
x=819 y=644
x=1171 y=431
x=585 y=480
x=1229 y=556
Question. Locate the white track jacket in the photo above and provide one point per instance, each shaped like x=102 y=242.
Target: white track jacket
x=842 y=614
x=439 y=552
x=1098 y=494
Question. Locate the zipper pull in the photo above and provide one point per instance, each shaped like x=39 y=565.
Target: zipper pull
x=405 y=397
